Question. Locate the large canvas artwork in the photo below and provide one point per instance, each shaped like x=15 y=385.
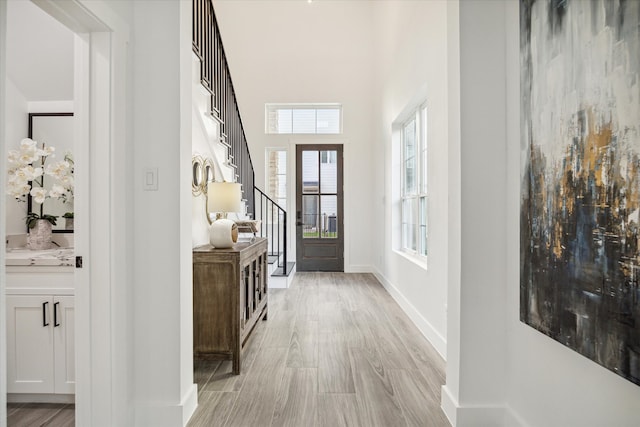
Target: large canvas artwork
x=580 y=190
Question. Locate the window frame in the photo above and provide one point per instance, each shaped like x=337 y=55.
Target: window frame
x=271 y=108
x=417 y=197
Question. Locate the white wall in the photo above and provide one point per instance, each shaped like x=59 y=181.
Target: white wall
x=411 y=61
x=3 y=137
x=300 y=52
x=17 y=128
x=548 y=384
x=163 y=364
x=205 y=133
x=501 y=371
x=477 y=383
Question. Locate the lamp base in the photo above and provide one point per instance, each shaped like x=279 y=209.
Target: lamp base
x=223 y=233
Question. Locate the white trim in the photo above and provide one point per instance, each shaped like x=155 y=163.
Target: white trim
x=423 y=325
x=472 y=416
x=189 y=403
x=50 y=106
x=449 y=404
x=419 y=260
x=3 y=214
x=40 y=398
x=358 y=269
x=164 y=414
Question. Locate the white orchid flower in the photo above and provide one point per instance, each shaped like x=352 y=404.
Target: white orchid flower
x=28 y=143
x=31 y=162
x=17 y=180
x=67 y=181
x=56 y=191
x=47 y=151
x=28 y=173
x=39 y=194
x=18 y=190
x=28 y=156
x=58 y=170
x=13 y=156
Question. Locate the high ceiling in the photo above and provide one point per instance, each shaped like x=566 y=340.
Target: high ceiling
x=39 y=53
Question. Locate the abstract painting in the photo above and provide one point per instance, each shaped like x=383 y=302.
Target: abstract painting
x=580 y=177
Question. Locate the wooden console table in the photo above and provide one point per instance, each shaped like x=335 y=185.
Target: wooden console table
x=229 y=297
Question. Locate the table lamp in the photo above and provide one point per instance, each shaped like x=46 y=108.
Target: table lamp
x=223 y=197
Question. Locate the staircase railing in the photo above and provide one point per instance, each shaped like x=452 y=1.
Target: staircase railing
x=216 y=78
x=274 y=227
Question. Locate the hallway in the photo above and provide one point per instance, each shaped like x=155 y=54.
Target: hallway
x=336 y=351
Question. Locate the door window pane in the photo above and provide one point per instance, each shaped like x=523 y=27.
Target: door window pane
x=329 y=218
x=310 y=173
x=310 y=217
x=328 y=172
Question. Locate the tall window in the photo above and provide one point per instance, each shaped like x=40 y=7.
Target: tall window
x=414 y=183
x=277 y=176
x=303 y=118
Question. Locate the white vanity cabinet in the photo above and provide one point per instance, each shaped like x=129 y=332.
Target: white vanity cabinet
x=40 y=332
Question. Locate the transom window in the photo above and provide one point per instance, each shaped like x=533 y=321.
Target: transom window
x=303 y=118
x=414 y=182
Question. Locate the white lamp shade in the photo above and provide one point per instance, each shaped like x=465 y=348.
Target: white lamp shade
x=224 y=197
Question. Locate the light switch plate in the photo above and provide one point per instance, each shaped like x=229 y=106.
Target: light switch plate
x=150 y=179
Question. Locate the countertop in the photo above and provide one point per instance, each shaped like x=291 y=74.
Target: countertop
x=63 y=257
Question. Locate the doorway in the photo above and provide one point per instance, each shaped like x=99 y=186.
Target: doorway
x=98 y=94
x=320 y=205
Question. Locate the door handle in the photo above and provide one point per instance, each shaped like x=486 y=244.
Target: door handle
x=44 y=314
x=55 y=314
x=298 y=218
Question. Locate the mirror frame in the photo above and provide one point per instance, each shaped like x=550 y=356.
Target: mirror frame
x=197 y=176
x=30 y=134
x=208 y=174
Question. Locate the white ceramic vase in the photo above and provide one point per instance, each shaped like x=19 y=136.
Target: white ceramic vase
x=223 y=233
x=40 y=235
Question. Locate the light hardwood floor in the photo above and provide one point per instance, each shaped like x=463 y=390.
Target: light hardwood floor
x=40 y=414
x=336 y=351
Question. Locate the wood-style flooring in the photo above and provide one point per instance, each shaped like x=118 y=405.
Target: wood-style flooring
x=336 y=351
x=40 y=414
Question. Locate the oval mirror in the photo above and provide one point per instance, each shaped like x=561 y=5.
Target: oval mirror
x=197 y=175
x=208 y=175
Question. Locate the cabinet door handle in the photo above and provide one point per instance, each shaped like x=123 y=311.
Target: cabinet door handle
x=44 y=314
x=55 y=314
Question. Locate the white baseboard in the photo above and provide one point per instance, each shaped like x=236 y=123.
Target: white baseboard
x=429 y=332
x=40 y=398
x=477 y=416
x=189 y=404
x=166 y=415
x=358 y=269
x=448 y=404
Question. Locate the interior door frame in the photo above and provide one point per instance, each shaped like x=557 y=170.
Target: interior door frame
x=100 y=53
x=328 y=146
